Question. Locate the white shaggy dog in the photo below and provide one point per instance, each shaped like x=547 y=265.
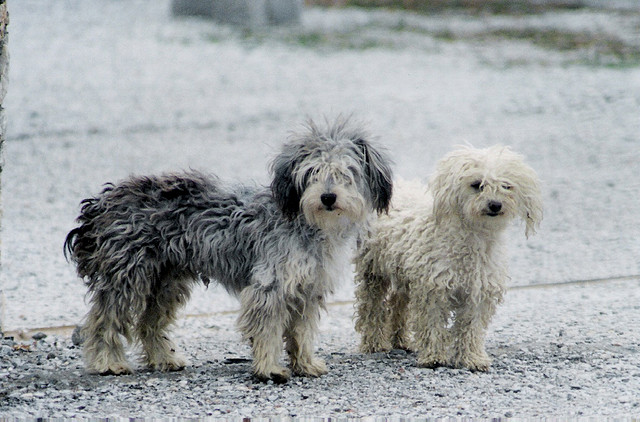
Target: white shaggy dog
x=434 y=267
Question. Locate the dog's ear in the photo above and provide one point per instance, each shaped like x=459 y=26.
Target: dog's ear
x=378 y=174
x=284 y=187
x=442 y=192
x=526 y=188
x=441 y=186
x=530 y=199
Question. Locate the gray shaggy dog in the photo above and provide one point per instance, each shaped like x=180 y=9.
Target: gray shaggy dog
x=142 y=244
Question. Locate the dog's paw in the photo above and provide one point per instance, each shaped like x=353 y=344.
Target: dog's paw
x=314 y=368
x=431 y=364
x=478 y=363
x=480 y=367
x=277 y=375
x=177 y=363
x=431 y=361
x=403 y=345
x=115 y=368
x=369 y=347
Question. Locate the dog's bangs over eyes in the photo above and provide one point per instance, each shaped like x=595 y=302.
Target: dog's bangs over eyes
x=505 y=184
x=479 y=185
x=348 y=172
x=345 y=170
x=333 y=174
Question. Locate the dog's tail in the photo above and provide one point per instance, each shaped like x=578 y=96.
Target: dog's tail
x=79 y=244
x=69 y=243
x=74 y=243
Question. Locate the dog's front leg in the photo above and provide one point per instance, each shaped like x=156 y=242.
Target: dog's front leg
x=300 y=336
x=469 y=331
x=429 y=319
x=262 y=320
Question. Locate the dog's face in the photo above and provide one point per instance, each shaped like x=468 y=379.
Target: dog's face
x=333 y=176
x=487 y=188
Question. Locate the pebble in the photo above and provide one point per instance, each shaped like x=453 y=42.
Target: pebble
x=77 y=338
x=39 y=336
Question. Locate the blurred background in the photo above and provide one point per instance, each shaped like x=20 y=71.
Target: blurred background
x=101 y=89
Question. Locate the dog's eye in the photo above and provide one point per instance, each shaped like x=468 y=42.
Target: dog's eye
x=310 y=176
x=477 y=185
x=507 y=187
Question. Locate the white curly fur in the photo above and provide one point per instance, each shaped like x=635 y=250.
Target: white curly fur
x=434 y=266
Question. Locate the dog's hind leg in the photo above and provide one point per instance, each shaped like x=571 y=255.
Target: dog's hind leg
x=102 y=330
x=398 y=309
x=300 y=336
x=262 y=319
x=372 y=313
x=160 y=353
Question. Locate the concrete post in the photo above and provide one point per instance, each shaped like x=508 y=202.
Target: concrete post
x=248 y=13
x=251 y=13
x=4 y=69
x=192 y=8
x=284 y=12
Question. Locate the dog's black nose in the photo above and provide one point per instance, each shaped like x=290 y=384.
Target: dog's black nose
x=328 y=199
x=495 y=206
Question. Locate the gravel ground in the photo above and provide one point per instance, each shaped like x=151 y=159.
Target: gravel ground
x=102 y=89
x=560 y=351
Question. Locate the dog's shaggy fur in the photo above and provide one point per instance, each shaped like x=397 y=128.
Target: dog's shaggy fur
x=433 y=268
x=142 y=244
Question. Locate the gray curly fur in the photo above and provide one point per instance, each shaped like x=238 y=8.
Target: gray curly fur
x=142 y=244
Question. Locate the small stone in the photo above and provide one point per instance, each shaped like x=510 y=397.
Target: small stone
x=77 y=338
x=39 y=336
